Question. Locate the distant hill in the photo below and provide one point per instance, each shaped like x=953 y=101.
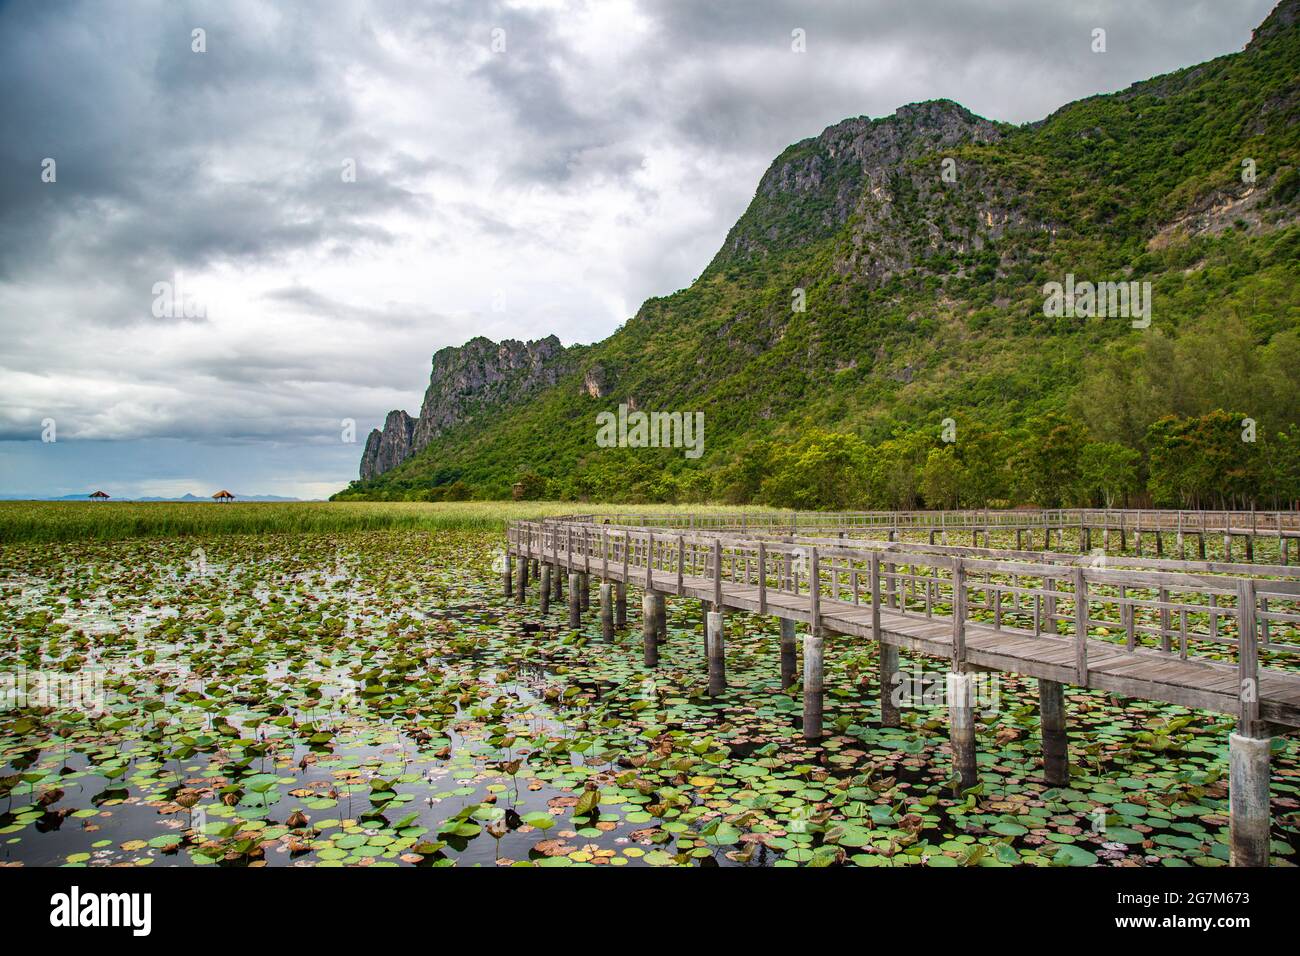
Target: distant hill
x=876 y=328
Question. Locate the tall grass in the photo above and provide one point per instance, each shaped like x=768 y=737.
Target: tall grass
x=40 y=521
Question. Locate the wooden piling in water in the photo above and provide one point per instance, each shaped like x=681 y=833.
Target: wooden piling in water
x=544 y=592
x=1248 y=778
x=812 y=684
x=575 y=601
x=620 y=605
x=888 y=675
x=607 y=611
x=961 y=727
x=789 y=662
x=506 y=578
x=648 y=631
x=1052 y=721
x=717 y=654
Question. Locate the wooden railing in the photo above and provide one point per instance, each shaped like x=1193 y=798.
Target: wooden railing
x=1192 y=613
x=1191 y=522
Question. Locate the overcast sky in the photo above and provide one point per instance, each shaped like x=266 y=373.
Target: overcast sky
x=521 y=168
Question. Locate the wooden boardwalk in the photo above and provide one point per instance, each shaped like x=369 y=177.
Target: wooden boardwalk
x=1219 y=636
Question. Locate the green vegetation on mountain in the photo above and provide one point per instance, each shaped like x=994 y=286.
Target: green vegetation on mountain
x=923 y=320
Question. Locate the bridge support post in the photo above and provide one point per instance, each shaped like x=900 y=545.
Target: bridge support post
x=661 y=617
x=961 y=727
x=651 y=645
x=585 y=581
x=559 y=584
x=1200 y=545
x=521 y=581
x=1056 y=748
x=812 y=683
x=1249 y=823
x=575 y=602
x=607 y=611
x=789 y=664
x=1160 y=545
x=544 y=592
x=717 y=654
x=620 y=605
x=888 y=678
x=506 y=577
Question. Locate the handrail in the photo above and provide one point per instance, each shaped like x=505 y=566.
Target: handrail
x=1178 y=609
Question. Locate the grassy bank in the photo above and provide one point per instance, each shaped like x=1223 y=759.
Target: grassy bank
x=77 y=520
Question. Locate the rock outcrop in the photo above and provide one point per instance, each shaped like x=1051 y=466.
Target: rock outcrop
x=478 y=377
x=853 y=168
x=388 y=448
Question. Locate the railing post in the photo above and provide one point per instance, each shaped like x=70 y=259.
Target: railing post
x=815 y=591
x=649 y=560
x=875 y=595
x=1247 y=660
x=1080 y=628
x=958 y=615
x=888 y=653
x=681 y=563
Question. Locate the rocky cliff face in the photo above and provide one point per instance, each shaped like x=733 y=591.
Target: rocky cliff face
x=388 y=448
x=469 y=380
x=856 y=167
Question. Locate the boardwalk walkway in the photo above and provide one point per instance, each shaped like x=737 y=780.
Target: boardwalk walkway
x=1221 y=636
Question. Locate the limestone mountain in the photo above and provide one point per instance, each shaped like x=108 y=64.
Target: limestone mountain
x=888 y=278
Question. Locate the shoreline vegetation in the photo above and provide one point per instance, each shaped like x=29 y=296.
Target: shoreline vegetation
x=53 y=521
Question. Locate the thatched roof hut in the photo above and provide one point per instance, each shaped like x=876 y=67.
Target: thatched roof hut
x=224 y=495
x=99 y=496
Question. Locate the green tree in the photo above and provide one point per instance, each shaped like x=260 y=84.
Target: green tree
x=1109 y=470
x=1202 y=461
x=826 y=470
x=941 y=478
x=1047 y=465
